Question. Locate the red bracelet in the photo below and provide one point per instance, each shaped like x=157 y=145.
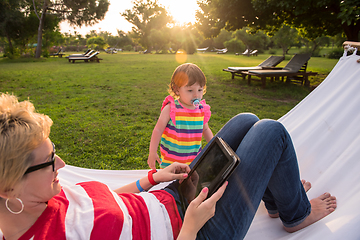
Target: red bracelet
x=151 y=178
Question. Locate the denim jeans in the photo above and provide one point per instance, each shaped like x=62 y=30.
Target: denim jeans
x=268 y=171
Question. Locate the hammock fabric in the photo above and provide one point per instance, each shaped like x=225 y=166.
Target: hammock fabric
x=325 y=128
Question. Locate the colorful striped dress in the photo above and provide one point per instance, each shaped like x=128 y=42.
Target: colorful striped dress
x=181 y=139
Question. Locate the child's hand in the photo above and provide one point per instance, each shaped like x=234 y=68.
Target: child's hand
x=152 y=160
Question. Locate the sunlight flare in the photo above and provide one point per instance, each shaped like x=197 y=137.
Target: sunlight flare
x=181 y=56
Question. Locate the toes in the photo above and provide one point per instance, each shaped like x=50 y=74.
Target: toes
x=324 y=196
x=306 y=185
x=276 y=215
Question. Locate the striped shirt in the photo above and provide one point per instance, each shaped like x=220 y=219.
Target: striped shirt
x=90 y=210
x=181 y=139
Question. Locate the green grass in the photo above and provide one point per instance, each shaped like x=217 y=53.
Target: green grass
x=104 y=113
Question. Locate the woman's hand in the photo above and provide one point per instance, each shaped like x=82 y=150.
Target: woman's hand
x=188 y=186
x=199 y=212
x=174 y=171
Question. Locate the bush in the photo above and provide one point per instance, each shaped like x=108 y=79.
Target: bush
x=128 y=48
x=235 y=45
x=45 y=53
x=189 y=47
x=272 y=51
x=336 y=53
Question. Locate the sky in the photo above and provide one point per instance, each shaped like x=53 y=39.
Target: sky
x=182 y=11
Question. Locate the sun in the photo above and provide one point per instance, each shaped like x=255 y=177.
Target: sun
x=182 y=11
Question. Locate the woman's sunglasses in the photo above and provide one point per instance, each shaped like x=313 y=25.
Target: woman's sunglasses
x=43 y=165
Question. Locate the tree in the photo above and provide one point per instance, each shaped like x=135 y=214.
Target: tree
x=76 y=12
x=253 y=41
x=18 y=24
x=222 y=38
x=146 y=15
x=234 y=45
x=97 y=42
x=185 y=38
x=285 y=37
x=160 y=39
x=207 y=19
x=317 y=18
x=15 y=26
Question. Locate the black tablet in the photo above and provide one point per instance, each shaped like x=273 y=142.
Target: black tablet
x=213 y=168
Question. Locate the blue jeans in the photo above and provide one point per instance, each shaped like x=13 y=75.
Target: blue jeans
x=268 y=171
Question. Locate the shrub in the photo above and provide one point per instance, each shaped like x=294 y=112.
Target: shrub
x=272 y=51
x=235 y=45
x=128 y=48
x=336 y=53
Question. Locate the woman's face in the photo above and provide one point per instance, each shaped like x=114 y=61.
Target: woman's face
x=41 y=185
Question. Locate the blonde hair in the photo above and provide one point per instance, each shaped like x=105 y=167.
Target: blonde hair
x=21 y=131
x=186 y=74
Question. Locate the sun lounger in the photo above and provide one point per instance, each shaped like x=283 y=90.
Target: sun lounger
x=270 y=62
x=221 y=51
x=57 y=54
x=202 y=50
x=295 y=68
x=92 y=58
x=254 y=53
x=86 y=54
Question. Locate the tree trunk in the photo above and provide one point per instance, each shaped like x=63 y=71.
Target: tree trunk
x=11 y=48
x=351 y=32
x=40 y=29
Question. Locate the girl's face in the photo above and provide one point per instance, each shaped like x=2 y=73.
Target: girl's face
x=41 y=185
x=187 y=93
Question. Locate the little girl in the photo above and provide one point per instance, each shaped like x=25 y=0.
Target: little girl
x=183 y=120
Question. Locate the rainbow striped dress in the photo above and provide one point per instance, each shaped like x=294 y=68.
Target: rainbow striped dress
x=181 y=139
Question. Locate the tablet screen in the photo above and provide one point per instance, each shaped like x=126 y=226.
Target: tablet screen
x=210 y=168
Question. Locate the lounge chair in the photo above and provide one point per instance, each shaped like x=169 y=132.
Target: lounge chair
x=86 y=54
x=270 y=62
x=254 y=53
x=221 y=51
x=246 y=52
x=202 y=50
x=295 y=68
x=92 y=58
x=57 y=54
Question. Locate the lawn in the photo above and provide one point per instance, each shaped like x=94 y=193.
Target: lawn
x=104 y=113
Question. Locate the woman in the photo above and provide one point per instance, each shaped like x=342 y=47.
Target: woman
x=33 y=205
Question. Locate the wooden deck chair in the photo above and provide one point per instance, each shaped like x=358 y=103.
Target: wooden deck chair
x=254 y=52
x=246 y=52
x=86 y=54
x=92 y=58
x=221 y=51
x=291 y=69
x=57 y=54
x=270 y=62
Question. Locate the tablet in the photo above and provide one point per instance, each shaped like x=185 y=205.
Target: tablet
x=213 y=168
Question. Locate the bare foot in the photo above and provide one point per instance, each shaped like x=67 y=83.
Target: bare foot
x=306 y=185
x=320 y=208
x=275 y=215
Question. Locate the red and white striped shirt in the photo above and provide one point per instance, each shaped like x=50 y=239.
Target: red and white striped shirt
x=90 y=210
